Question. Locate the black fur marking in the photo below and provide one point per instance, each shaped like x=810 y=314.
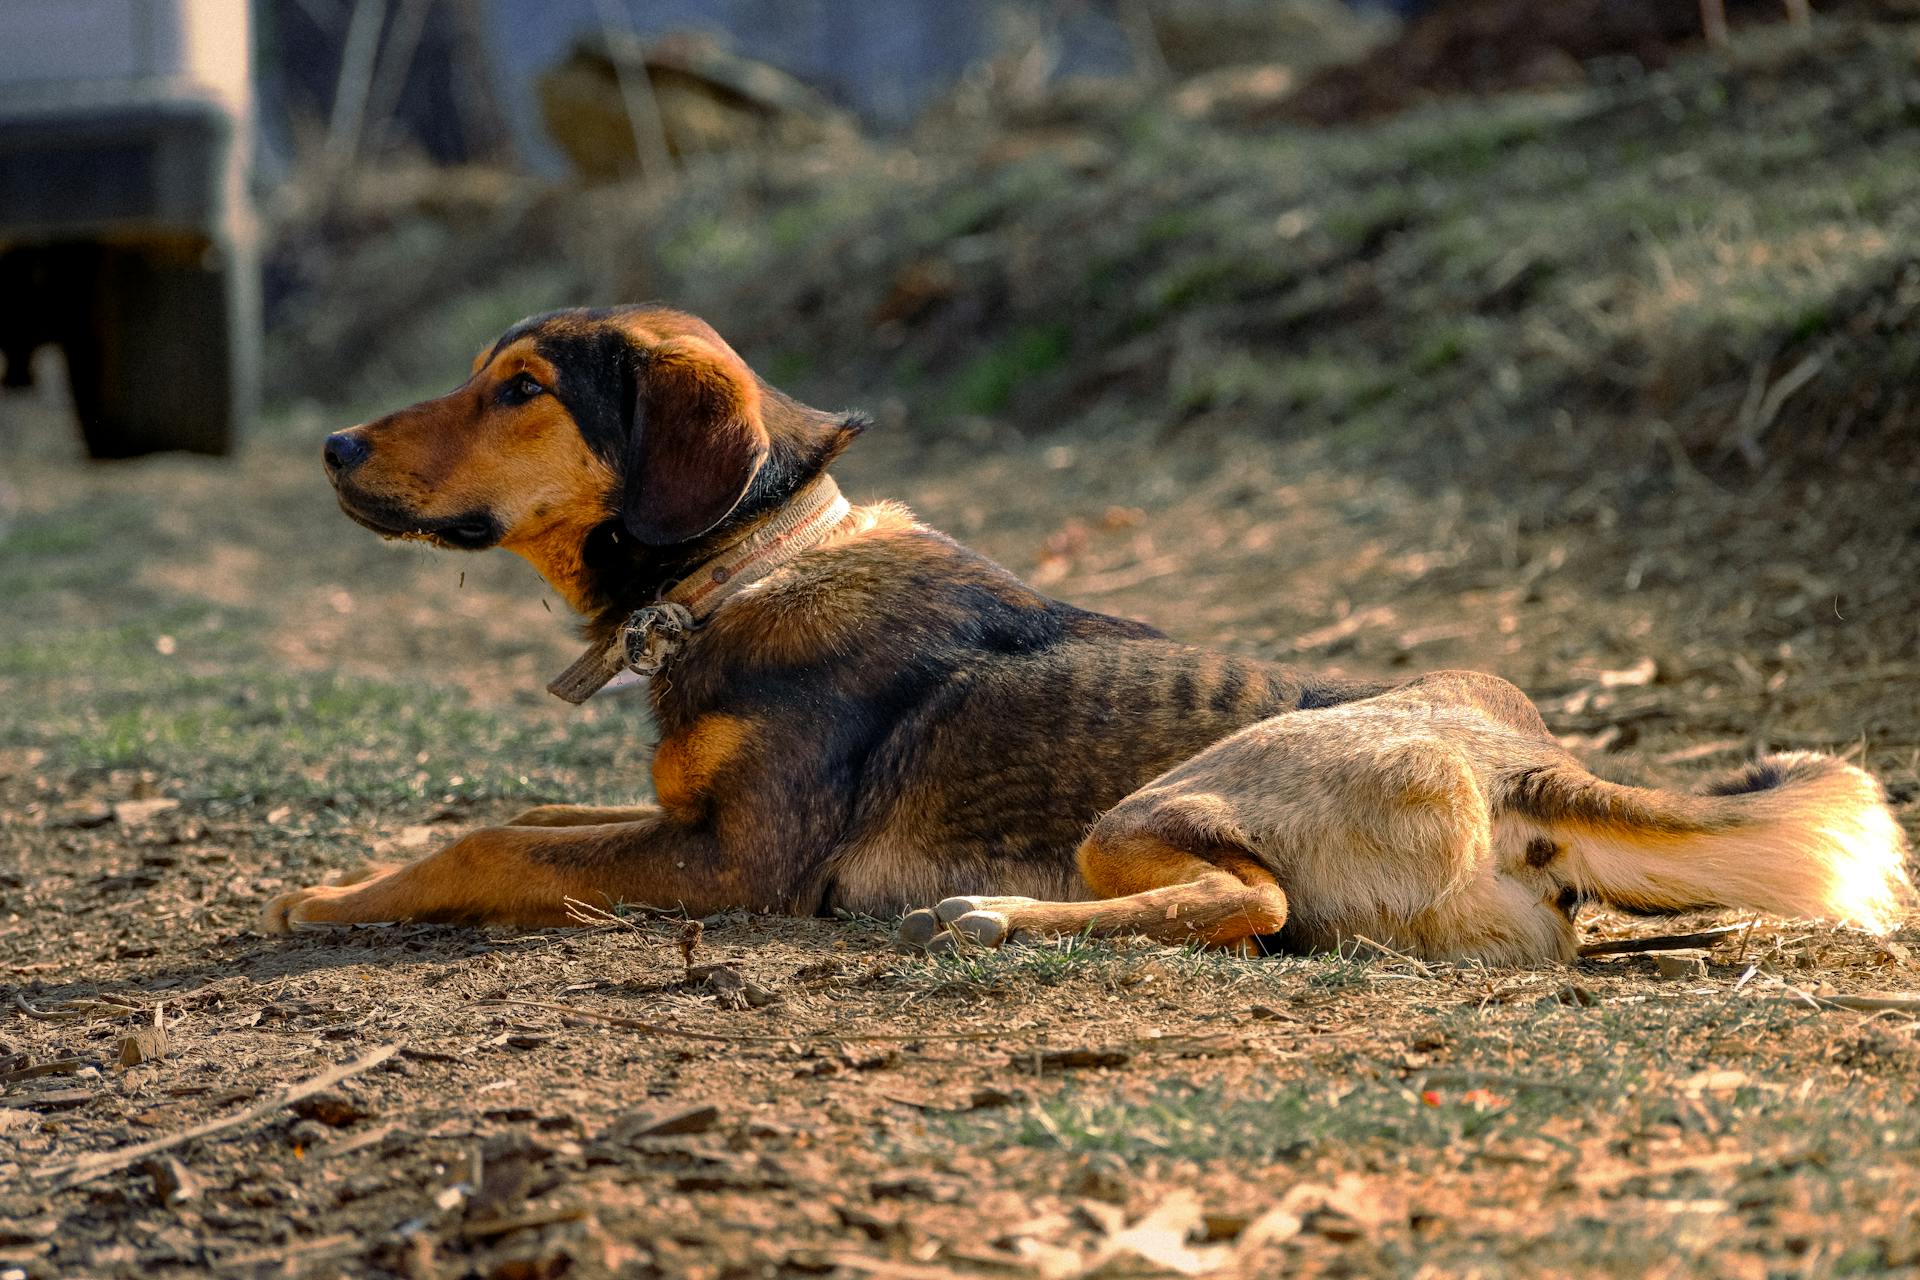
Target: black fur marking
x=598 y=370
x=1569 y=901
x=549 y=321
x=1186 y=693
x=474 y=531
x=1541 y=851
x=1761 y=775
x=1316 y=693
x=1226 y=695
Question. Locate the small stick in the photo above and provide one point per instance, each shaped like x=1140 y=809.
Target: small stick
x=72 y=1010
x=1468 y=1076
x=1859 y=1004
x=491 y=1227
x=1178 y=1044
x=57 y=1067
x=1391 y=954
x=666 y=1029
x=84 y=1169
x=591 y=916
x=1665 y=942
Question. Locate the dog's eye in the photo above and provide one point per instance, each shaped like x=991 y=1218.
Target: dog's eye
x=520 y=389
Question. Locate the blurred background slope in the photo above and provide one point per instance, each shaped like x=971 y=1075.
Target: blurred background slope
x=1575 y=296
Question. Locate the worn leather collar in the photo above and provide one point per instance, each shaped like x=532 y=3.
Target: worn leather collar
x=653 y=635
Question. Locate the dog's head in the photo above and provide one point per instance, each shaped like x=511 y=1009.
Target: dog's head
x=598 y=444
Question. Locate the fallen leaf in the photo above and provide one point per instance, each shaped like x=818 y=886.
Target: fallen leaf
x=1160 y=1239
x=1640 y=673
x=334 y=1110
x=173 y=1182
x=134 y=813
x=694 y=1119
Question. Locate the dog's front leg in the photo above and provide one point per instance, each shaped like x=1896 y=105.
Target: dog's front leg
x=523 y=875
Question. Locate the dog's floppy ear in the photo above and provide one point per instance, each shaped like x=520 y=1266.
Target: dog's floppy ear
x=696 y=441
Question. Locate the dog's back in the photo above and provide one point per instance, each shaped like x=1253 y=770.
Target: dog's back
x=1005 y=723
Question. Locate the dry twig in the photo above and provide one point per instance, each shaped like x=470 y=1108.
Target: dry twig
x=1387 y=951
x=73 y=1173
x=1470 y=1078
x=1664 y=942
x=1859 y=1004
x=667 y=1029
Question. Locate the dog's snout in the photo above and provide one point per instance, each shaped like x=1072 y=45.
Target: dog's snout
x=344 y=451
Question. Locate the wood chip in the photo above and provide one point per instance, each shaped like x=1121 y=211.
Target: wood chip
x=696 y=1119
x=57 y=1067
x=51 y=1099
x=144 y=1045
x=173 y=1182
x=1676 y=965
x=135 y=813
x=18 y=1231
x=1075 y=1059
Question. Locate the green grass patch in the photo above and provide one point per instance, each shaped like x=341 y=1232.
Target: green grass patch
x=987 y=385
x=249 y=734
x=1248 y=1120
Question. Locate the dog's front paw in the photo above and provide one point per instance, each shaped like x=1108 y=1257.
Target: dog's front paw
x=958 y=923
x=323 y=904
x=282 y=915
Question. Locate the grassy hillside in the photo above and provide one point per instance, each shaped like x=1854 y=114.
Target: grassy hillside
x=1637 y=266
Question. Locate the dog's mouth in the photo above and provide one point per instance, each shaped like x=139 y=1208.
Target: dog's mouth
x=473 y=531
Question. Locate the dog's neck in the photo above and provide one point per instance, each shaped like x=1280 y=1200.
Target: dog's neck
x=646 y=638
x=815 y=513
x=611 y=574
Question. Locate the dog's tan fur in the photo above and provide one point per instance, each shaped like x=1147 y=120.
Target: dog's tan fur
x=1444 y=822
x=888 y=717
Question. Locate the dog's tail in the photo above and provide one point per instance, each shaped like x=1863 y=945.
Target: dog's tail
x=1798 y=835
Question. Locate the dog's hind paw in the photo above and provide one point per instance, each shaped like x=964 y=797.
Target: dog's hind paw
x=960 y=923
x=917 y=929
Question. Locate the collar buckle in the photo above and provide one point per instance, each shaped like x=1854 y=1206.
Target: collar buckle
x=653 y=634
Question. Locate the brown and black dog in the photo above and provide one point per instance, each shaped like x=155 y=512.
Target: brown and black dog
x=857 y=712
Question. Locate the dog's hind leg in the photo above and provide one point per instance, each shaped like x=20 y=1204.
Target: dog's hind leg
x=1149 y=888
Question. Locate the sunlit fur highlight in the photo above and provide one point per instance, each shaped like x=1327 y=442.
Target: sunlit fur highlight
x=1818 y=842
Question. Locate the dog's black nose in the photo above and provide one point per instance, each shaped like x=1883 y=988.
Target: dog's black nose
x=344 y=451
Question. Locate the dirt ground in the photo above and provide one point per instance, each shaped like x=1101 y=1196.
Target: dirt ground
x=1635 y=432
x=217 y=688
